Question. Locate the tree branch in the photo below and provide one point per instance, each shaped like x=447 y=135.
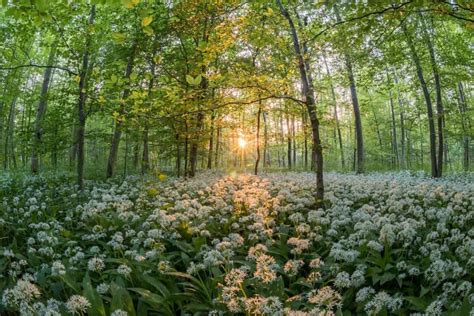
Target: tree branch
x=39 y=66
x=360 y=17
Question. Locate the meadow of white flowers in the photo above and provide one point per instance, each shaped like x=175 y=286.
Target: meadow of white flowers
x=383 y=244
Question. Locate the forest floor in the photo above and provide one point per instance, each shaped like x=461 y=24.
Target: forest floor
x=385 y=243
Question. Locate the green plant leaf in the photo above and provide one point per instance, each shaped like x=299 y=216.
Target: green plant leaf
x=97 y=306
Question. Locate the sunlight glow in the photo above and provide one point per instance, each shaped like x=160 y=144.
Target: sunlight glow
x=242 y=142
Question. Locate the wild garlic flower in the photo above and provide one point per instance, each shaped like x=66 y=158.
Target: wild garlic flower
x=95 y=264
x=77 y=305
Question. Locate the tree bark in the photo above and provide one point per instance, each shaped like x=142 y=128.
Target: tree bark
x=403 y=159
x=429 y=106
x=216 y=152
x=394 y=129
x=266 y=152
x=41 y=111
x=9 y=144
x=336 y=118
x=111 y=161
x=439 y=98
x=310 y=104
x=289 y=141
x=81 y=115
x=293 y=132
x=356 y=109
x=465 y=124
x=211 y=142
x=257 y=161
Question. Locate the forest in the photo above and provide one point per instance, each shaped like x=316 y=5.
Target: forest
x=249 y=157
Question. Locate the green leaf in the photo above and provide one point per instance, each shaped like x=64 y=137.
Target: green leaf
x=148 y=297
x=189 y=79
x=197 y=80
x=148 y=31
x=147 y=20
x=133 y=76
x=420 y=303
x=41 y=5
x=121 y=299
x=66 y=278
x=119 y=38
x=97 y=306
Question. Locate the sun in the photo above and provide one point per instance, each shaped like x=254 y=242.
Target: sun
x=242 y=142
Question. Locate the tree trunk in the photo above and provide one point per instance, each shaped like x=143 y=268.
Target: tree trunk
x=119 y=121
x=266 y=152
x=41 y=111
x=394 y=130
x=216 y=153
x=310 y=105
x=465 y=125
x=282 y=140
x=356 y=109
x=9 y=145
x=429 y=106
x=81 y=126
x=288 y=138
x=211 y=142
x=336 y=118
x=178 y=156
x=257 y=161
x=294 y=139
x=439 y=99
x=186 y=148
x=402 y=125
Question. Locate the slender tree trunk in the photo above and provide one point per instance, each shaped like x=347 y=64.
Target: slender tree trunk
x=146 y=153
x=125 y=155
x=305 y=135
x=216 y=152
x=377 y=129
x=81 y=126
x=186 y=148
x=266 y=153
x=193 y=152
x=294 y=139
x=310 y=105
x=257 y=161
x=439 y=99
x=178 y=156
x=465 y=125
x=429 y=106
x=288 y=138
x=356 y=109
x=402 y=124
x=146 y=150
x=9 y=135
x=211 y=142
x=111 y=161
x=41 y=111
x=336 y=118
x=282 y=141
x=394 y=131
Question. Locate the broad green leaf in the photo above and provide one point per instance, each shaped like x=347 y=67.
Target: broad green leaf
x=147 y=20
x=97 y=306
x=66 y=278
x=190 y=79
x=148 y=30
x=119 y=38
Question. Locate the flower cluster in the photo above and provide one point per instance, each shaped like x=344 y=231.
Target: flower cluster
x=379 y=243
